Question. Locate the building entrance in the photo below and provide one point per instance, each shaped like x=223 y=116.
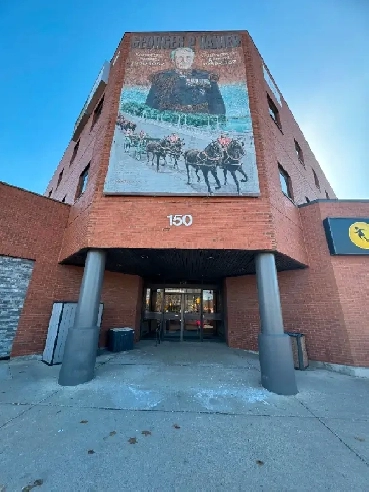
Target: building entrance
x=182 y=313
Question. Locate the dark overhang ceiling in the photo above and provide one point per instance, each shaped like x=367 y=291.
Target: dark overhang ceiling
x=183 y=264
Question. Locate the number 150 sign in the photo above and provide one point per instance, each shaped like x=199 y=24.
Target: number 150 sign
x=178 y=220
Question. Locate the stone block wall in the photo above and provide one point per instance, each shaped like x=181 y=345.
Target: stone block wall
x=15 y=274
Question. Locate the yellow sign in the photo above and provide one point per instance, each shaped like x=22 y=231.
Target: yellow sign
x=359 y=234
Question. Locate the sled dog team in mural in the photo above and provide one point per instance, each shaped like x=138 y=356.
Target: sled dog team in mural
x=224 y=153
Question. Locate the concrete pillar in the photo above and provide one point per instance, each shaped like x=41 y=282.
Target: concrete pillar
x=82 y=341
x=275 y=349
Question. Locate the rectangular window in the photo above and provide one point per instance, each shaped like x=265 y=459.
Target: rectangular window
x=82 y=183
x=274 y=113
x=60 y=177
x=285 y=181
x=316 y=180
x=326 y=195
x=299 y=153
x=97 y=112
x=75 y=152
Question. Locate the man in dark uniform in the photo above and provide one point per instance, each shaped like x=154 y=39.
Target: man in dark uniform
x=185 y=89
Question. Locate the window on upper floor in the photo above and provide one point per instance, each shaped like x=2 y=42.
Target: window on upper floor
x=60 y=177
x=285 y=181
x=83 y=180
x=307 y=199
x=50 y=193
x=299 y=153
x=75 y=152
x=63 y=201
x=97 y=112
x=326 y=195
x=317 y=184
x=274 y=113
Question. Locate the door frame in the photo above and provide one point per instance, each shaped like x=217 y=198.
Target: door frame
x=219 y=287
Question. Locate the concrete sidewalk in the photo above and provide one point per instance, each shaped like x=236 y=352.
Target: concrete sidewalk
x=180 y=417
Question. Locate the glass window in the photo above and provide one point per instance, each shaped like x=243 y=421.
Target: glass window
x=316 y=180
x=172 y=303
x=299 y=152
x=97 y=112
x=154 y=300
x=274 y=113
x=75 y=152
x=83 y=180
x=60 y=177
x=285 y=182
x=208 y=302
x=192 y=303
x=148 y=299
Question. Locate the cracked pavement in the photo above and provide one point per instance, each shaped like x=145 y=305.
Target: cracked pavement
x=180 y=417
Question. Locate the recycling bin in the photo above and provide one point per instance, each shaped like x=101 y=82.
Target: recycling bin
x=300 y=356
x=120 y=339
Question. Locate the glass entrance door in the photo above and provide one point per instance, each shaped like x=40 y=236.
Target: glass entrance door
x=182 y=313
x=173 y=315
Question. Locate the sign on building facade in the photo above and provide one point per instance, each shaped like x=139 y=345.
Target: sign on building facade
x=184 y=125
x=347 y=236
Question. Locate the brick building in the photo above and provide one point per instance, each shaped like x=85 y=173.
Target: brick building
x=190 y=181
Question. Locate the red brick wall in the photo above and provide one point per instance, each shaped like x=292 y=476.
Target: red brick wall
x=352 y=280
x=280 y=147
x=121 y=295
x=243 y=323
x=328 y=301
x=32 y=227
x=269 y=222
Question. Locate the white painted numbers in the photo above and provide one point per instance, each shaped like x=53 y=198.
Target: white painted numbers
x=178 y=220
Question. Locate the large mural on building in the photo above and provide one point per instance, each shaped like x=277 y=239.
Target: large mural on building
x=184 y=125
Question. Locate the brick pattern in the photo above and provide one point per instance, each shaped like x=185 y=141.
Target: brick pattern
x=328 y=301
x=15 y=274
x=243 y=322
x=352 y=280
x=121 y=295
x=32 y=227
x=280 y=147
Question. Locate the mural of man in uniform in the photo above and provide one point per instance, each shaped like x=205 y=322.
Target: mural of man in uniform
x=185 y=89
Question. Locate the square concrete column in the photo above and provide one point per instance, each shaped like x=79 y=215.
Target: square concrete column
x=80 y=351
x=275 y=349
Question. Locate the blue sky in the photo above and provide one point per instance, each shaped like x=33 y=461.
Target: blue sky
x=51 y=53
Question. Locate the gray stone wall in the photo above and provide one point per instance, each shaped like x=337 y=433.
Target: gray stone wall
x=15 y=274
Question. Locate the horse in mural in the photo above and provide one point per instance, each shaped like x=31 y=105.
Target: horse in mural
x=175 y=150
x=232 y=157
x=205 y=161
x=156 y=149
x=162 y=149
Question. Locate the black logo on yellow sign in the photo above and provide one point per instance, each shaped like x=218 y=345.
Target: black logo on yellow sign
x=359 y=234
